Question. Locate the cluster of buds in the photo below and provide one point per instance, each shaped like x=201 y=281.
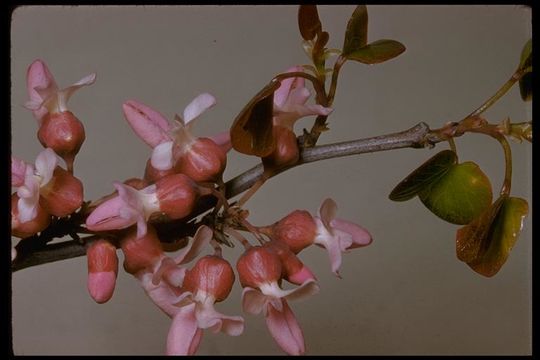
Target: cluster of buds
x=181 y=169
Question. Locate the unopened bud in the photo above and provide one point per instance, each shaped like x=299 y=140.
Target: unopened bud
x=293 y=270
x=258 y=265
x=203 y=161
x=211 y=274
x=297 y=230
x=102 y=270
x=177 y=195
x=63 y=194
x=140 y=253
x=286 y=151
x=28 y=228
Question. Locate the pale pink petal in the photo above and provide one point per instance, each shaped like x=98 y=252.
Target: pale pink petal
x=28 y=196
x=201 y=239
x=162 y=156
x=285 y=329
x=65 y=94
x=184 y=335
x=163 y=295
x=297 y=96
x=39 y=76
x=282 y=93
x=312 y=109
x=301 y=276
x=327 y=212
x=253 y=301
x=170 y=272
x=107 y=216
x=46 y=162
x=148 y=124
x=209 y=318
x=223 y=139
x=13 y=253
x=308 y=288
x=360 y=236
x=197 y=106
x=18 y=171
x=101 y=285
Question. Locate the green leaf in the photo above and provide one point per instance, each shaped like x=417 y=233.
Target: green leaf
x=377 y=52
x=460 y=195
x=423 y=176
x=309 y=22
x=525 y=83
x=252 y=130
x=356 y=33
x=486 y=242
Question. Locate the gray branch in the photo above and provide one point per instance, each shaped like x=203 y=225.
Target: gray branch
x=418 y=136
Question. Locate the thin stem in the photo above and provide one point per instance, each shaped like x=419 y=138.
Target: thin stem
x=238 y=237
x=452 y=144
x=335 y=74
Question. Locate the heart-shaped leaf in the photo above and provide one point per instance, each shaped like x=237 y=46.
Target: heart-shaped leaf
x=356 y=33
x=460 y=195
x=309 y=22
x=377 y=51
x=485 y=243
x=252 y=130
x=525 y=83
x=423 y=176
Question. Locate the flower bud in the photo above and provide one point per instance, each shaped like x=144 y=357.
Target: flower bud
x=102 y=270
x=293 y=270
x=28 y=228
x=297 y=230
x=258 y=265
x=211 y=274
x=177 y=195
x=63 y=194
x=203 y=160
x=62 y=132
x=140 y=253
x=151 y=174
x=286 y=151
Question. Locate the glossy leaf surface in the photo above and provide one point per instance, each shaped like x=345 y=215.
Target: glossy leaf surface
x=485 y=243
x=423 y=176
x=309 y=22
x=356 y=33
x=460 y=195
x=377 y=51
x=525 y=83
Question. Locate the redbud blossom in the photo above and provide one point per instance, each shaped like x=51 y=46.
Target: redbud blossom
x=174 y=195
x=208 y=282
x=175 y=148
x=48 y=185
x=102 y=270
x=260 y=270
x=59 y=129
x=23 y=229
x=289 y=106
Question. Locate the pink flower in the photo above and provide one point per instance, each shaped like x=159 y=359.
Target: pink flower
x=208 y=282
x=102 y=270
x=175 y=149
x=174 y=195
x=260 y=270
x=59 y=192
x=59 y=129
x=289 y=106
x=299 y=230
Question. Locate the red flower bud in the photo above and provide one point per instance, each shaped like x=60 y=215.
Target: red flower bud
x=151 y=174
x=29 y=228
x=140 y=253
x=63 y=133
x=297 y=230
x=203 y=161
x=258 y=265
x=102 y=270
x=211 y=274
x=63 y=194
x=177 y=195
x=286 y=151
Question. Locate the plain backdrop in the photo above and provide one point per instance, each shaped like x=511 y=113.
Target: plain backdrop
x=406 y=293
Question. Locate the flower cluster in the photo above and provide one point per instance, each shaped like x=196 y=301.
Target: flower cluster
x=181 y=169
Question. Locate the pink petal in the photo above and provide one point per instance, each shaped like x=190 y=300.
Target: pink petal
x=46 y=162
x=282 y=93
x=360 y=236
x=162 y=156
x=301 y=276
x=18 y=170
x=327 y=212
x=101 y=285
x=107 y=216
x=39 y=76
x=170 y=271
x=297 y=96
x=65 y=94
x=208 y=317
x=303 y=291
x=253 y=301
x=163 y=295
x=313 y=109
x=184 y=335
x=28 y=196
x=201 y=238
x=223 y=139
x=148 y=124
x=197 y=106
x=285 y=329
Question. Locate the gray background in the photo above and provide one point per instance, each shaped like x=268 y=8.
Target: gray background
x=407 y=293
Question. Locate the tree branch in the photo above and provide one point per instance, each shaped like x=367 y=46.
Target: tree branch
x=419 y=136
